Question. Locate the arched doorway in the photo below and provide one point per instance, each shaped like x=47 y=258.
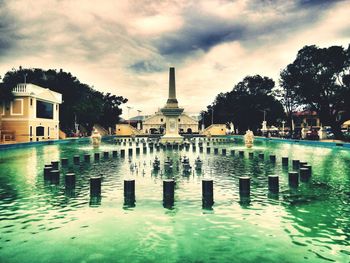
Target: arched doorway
x=189 y=131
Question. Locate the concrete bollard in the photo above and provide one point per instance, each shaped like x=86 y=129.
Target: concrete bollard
x=244 y=186
x=55 y=165
x=302 y=164
x=47 y=171
x=122 y=153
x=296 y=164
x=105 y=155
x=129 y=192
x=216 y=150
x=70 y=180
x=293 y=179
x=241 y=153
x=308 y=167
x=224 y=151
x=207 y=193
x=95 y=186
x=130 y=151
x=115 y=154
x=261 y=156
x=55 y=176
x=208 y=149
x=168 y=192
x=87 y=158
x=137 y=150
x=273 y=181
x=273 y=158
x=251 y=155
x=76 y=159
x=305 y=174
x=285 y=161
x=64 y=161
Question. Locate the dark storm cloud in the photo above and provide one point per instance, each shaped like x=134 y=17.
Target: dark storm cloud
x=316 y=3
x=146 y=67
x=8 y=31
x=200 y=33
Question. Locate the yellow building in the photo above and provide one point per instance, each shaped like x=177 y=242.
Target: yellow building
x=33 y=115
x=215 y=130
x=126 y=130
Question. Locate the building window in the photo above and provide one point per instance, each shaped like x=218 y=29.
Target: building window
x=17 y=107
x=179 y=120
x=31 y=102
x=40 y=131
x=44 y=110
x=48 y=131
x=56 y=107
x=31 y=131
x=161 y=120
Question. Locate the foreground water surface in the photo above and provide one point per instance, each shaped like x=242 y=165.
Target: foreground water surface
x=43 y=222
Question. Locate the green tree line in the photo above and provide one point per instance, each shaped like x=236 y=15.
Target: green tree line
x=317 y=80
x=80 y=101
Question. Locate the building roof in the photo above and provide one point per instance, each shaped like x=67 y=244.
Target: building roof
x=31 y=90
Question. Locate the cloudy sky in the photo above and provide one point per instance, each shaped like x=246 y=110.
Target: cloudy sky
x=126 y=47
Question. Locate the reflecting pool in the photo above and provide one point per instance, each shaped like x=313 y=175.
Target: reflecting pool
x=44 y=222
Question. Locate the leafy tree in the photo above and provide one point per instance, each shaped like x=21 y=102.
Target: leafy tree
x=110 y=110
x=318 y=79
x=245 y=105
x=80 y=101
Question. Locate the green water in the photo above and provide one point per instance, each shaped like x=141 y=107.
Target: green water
x=40 y=222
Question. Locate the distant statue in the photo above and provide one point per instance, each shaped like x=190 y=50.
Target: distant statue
x=322 y=133
x=232 y=128
x=304 y=132
x=249 y=139
x=96 y=139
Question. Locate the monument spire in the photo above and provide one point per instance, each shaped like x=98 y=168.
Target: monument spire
x=172 y=101
x=171 y=112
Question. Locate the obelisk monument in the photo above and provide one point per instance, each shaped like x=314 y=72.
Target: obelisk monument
x=171 y=111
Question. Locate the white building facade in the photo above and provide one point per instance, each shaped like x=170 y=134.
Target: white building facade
x=155 y=124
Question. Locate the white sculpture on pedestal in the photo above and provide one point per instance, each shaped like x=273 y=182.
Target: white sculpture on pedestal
x=96 y=139
x=322 y=133
x=249 y=139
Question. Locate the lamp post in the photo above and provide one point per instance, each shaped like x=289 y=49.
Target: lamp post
x=139 y=121
x=129 y=108
x=202 y=121
x=283 y=122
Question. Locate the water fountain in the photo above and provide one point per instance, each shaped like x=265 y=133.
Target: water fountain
x=96 y=139
x=249 y=139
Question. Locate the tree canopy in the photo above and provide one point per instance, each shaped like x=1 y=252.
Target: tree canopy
x=245 y=104
x=319 y=80
x=80 y=101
